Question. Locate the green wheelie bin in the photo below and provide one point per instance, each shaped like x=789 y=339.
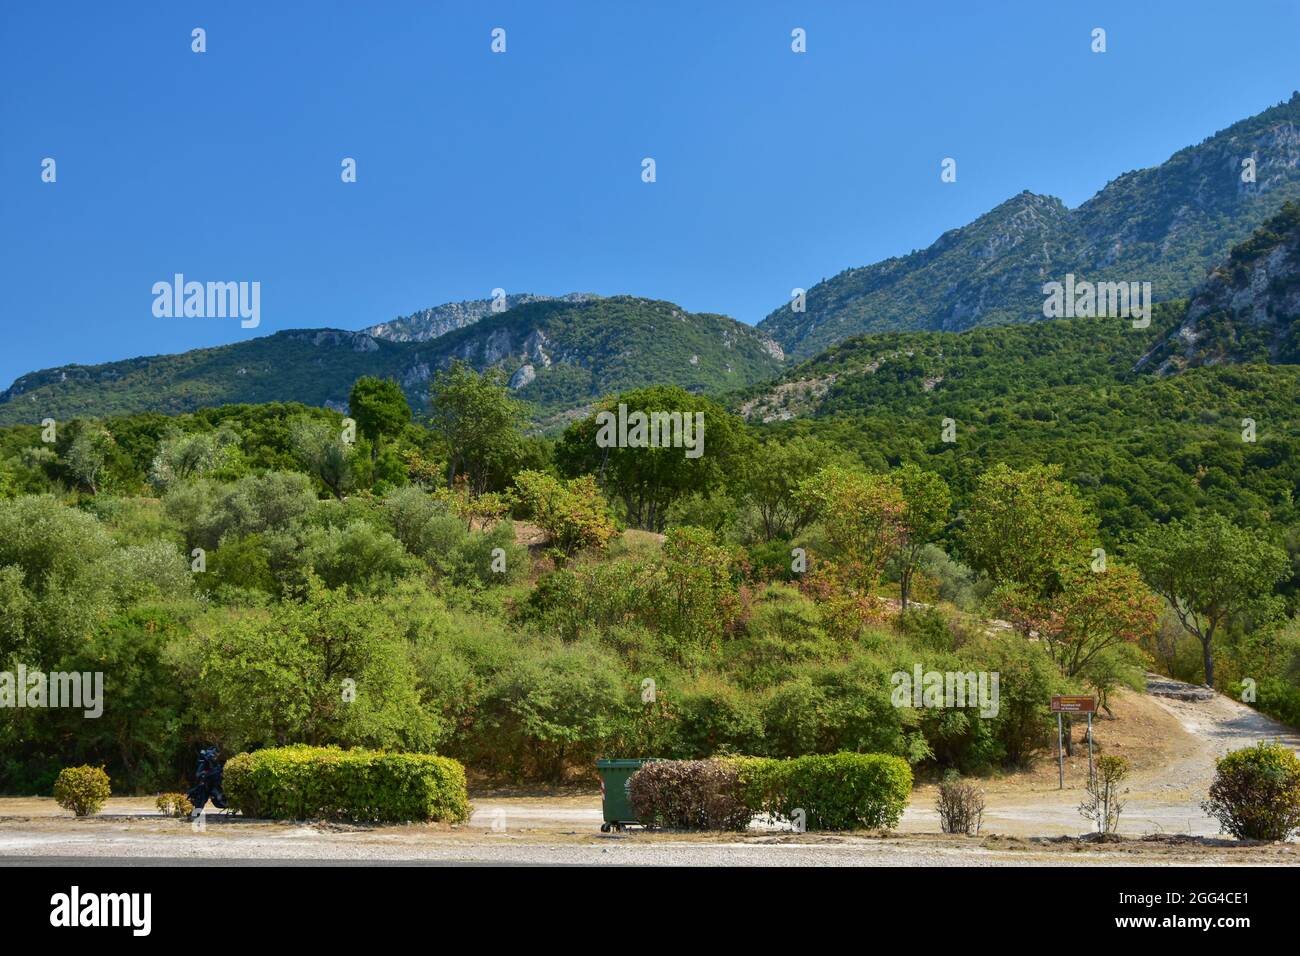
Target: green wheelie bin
x=615 y=775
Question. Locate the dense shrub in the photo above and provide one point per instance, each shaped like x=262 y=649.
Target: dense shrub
x=299 y=783
x=715 y=718
x=82 y=790
x=174 y=805
x=690 y=795
x=1256 y=793
x=844 y=791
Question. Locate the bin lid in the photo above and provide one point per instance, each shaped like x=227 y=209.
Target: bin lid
x=621 y=763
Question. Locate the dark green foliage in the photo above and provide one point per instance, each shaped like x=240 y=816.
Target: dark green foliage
x=1256 y=792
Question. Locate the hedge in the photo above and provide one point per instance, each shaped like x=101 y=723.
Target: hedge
x=301 y=783
x=689 y=795
x=844 y=791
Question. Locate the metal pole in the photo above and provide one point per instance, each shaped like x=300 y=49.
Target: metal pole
x=1090 y=746
x=1060 y=751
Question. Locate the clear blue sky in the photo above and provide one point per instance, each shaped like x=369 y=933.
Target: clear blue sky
x=522 y=170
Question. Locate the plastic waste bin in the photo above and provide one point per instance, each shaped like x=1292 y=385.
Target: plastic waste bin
x=615 y=775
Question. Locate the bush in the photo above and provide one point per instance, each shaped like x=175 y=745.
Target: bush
x=82 y=790
x=1256 y=793
x=715 y=718
x=1104 y=803
x=174 y=805
x=844 y=791
x=690 y=795
x=300 y=782
x=960 y=805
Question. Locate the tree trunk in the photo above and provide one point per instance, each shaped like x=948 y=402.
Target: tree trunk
x=1208 y=658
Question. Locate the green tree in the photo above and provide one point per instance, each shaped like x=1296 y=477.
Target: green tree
x=88 y=454
x=863 y=516
x=1210 y=570
x=380 y=409
x=927 y=501
x=775 y=471
x=324 y=453
x=477 y=420
x=648 y=477
x=1025 y=527
x=185 y=455
x=332 y=668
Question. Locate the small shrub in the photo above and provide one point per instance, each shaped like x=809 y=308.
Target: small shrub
x=1104 y=803
x=960 y=805
x=174 y=805
x=1256 y=793
x=689 y=795
x=300 y=782
x=844 y=791
x=82 y=790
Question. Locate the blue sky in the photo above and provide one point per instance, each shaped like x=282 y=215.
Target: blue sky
x=522 y=170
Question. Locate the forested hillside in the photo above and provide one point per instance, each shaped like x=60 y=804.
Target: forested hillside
x=558 y=355
x=1165 y=225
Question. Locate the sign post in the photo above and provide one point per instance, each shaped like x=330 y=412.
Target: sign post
x=1071 y=704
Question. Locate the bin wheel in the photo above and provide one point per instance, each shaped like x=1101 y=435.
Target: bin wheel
x=604 y=828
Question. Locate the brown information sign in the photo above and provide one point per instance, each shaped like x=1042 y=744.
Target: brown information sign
x=1067 y=704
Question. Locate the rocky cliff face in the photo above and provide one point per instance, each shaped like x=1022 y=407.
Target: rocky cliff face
x=432 y=323
x=1247 y=311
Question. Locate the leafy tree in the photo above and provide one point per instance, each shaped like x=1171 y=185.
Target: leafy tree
x=926 y=504
x=647 y=479
x=88 y=454
x=1210 y=570
x=478 y=421
x=56 y=582
x=325 y=455
x=1092 y=613
x=185 y=455
x=776 y=469
x=331 y=668
x=863 y=514
x=380 y=409
x=1025 y=528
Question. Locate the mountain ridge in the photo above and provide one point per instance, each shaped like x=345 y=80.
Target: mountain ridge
x=1167 y=224
x=558 y=355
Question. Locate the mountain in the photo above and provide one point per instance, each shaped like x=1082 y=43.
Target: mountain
x=441 y=319
x=1248 y=311
x=559 y=355
x=1165 y=225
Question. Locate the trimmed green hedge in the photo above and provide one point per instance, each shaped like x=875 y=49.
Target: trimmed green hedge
x=301 y=783
x=844 y=791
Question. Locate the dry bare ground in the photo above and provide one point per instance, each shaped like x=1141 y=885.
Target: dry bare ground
x=1171 y=744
